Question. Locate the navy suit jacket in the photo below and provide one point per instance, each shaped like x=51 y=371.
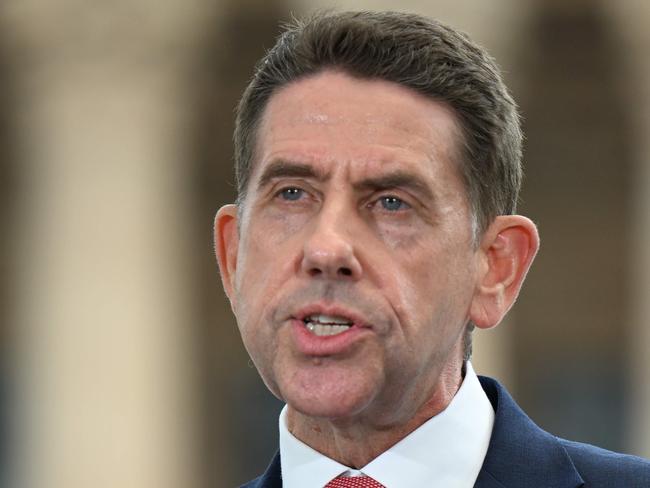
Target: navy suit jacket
x=521 y=455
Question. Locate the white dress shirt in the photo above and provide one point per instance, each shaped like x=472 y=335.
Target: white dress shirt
x=446 y=451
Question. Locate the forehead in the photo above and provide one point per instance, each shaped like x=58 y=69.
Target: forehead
x=359 y=124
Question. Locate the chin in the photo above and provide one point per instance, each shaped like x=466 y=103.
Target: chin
x=330 y=409
x=329 y=396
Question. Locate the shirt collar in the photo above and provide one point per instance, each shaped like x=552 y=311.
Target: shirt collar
x=447 y=450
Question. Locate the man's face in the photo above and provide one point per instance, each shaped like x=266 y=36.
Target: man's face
x=354 y=269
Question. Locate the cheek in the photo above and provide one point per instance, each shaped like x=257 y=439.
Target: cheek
x=402 y=237
x=434 y=285
x=268 y=260
x=265 y=253
x=275 y=224
x=262 y=349
x=254 y=321
x=250 y=283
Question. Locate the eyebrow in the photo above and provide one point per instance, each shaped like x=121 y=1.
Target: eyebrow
x=288 y=169
x=394 y=179
x=397 y=179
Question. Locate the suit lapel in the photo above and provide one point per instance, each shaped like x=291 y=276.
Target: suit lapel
x=486 y=480
x=520 y=453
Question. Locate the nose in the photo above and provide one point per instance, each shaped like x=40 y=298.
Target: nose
x=330 y=249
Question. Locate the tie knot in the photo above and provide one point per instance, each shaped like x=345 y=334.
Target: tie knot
x=354 y=482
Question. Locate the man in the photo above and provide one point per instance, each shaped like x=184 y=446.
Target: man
x=378 y=168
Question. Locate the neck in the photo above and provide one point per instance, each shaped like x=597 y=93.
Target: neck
x=355 y=441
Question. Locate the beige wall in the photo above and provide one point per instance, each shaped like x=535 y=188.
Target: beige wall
x=104 y=309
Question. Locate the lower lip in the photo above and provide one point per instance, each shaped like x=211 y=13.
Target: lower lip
x=312 y=345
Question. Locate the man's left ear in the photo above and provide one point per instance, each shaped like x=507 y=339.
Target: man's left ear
x=507 y=250
x=226 y=243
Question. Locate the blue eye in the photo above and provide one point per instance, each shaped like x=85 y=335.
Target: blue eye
x=291 y=194
x=393 y=204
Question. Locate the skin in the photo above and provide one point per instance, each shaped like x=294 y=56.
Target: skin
x=356 y=205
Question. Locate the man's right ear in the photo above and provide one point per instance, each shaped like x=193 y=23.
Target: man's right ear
x=226 y=245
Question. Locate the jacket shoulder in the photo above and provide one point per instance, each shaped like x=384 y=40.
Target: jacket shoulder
x=522 y=454
x=602 y=468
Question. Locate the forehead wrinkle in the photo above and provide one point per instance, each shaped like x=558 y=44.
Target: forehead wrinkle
x=370 y=125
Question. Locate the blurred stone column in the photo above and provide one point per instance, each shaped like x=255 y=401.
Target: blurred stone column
x=632 y=19
x=638 y=424
x=571 y=351
x=104 y=309
x=240 y=427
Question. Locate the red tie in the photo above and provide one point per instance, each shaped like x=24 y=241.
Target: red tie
x=354 y=482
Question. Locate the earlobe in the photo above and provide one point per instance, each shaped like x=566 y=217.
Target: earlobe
x=507 y=250
x=226 y=245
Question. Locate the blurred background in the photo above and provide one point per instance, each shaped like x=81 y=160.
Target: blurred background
x=120 y=362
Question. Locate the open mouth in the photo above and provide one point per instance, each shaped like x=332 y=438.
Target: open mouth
x=326 y=325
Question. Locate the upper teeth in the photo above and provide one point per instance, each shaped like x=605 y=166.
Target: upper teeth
x=322 y=325
x=328 y=319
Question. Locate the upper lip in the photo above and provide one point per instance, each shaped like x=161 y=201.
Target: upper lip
x=331 y=310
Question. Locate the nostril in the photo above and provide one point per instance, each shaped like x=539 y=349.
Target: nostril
x=345 y=271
